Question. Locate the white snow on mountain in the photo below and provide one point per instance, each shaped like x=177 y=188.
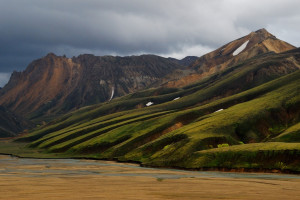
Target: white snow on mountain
x=149 y=103
x=240 y=49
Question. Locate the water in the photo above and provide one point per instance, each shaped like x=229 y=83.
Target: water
x=25 y=167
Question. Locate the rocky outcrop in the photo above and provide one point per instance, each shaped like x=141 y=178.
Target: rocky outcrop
x=57 y=84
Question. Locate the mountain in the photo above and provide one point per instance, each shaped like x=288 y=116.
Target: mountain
x=56 y=84
x=245 y=116
x=251 y=45
x=186 y=61
x=11 y=124
x=258 y=42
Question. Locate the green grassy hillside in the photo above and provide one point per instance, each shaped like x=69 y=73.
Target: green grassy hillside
x=244 y=117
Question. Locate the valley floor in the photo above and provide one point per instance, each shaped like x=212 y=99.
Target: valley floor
x=88 y=179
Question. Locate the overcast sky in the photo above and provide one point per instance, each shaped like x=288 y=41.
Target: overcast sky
x=32 y=28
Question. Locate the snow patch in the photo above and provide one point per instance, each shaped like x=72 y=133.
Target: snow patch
x=149 y=103
x=219 y=110
x=176 y=98
x=240 y=49
x=112 y=93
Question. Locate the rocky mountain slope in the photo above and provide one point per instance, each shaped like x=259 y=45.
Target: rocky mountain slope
x=251 y=45
x=55 y=84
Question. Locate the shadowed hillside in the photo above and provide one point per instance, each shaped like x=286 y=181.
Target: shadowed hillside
x=11 y=124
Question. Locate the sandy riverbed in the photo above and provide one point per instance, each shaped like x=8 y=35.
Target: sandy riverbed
x=81 y=179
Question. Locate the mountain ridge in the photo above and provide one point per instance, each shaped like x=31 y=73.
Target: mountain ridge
x=55 y=84
x=259 y=42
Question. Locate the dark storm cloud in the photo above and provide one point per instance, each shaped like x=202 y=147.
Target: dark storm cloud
x=32 y=28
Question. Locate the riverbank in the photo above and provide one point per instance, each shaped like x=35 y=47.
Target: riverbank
x=17 y=149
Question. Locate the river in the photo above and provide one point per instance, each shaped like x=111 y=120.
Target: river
x=23 y=178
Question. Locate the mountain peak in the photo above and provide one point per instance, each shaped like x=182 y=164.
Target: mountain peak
x=262 y=30
x=261 y=35
x=50 y=55
x=234 y=52
x=255 y=43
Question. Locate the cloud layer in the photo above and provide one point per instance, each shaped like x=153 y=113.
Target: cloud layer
x=4 y=77
x=32 y=28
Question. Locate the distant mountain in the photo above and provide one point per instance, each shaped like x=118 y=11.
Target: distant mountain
x=11 y=124
x=55 y=84
x=188 y=60
x=237 y=51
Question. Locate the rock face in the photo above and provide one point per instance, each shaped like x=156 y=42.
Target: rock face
x=235 y=52
x=55 y=84
x=11 y=124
